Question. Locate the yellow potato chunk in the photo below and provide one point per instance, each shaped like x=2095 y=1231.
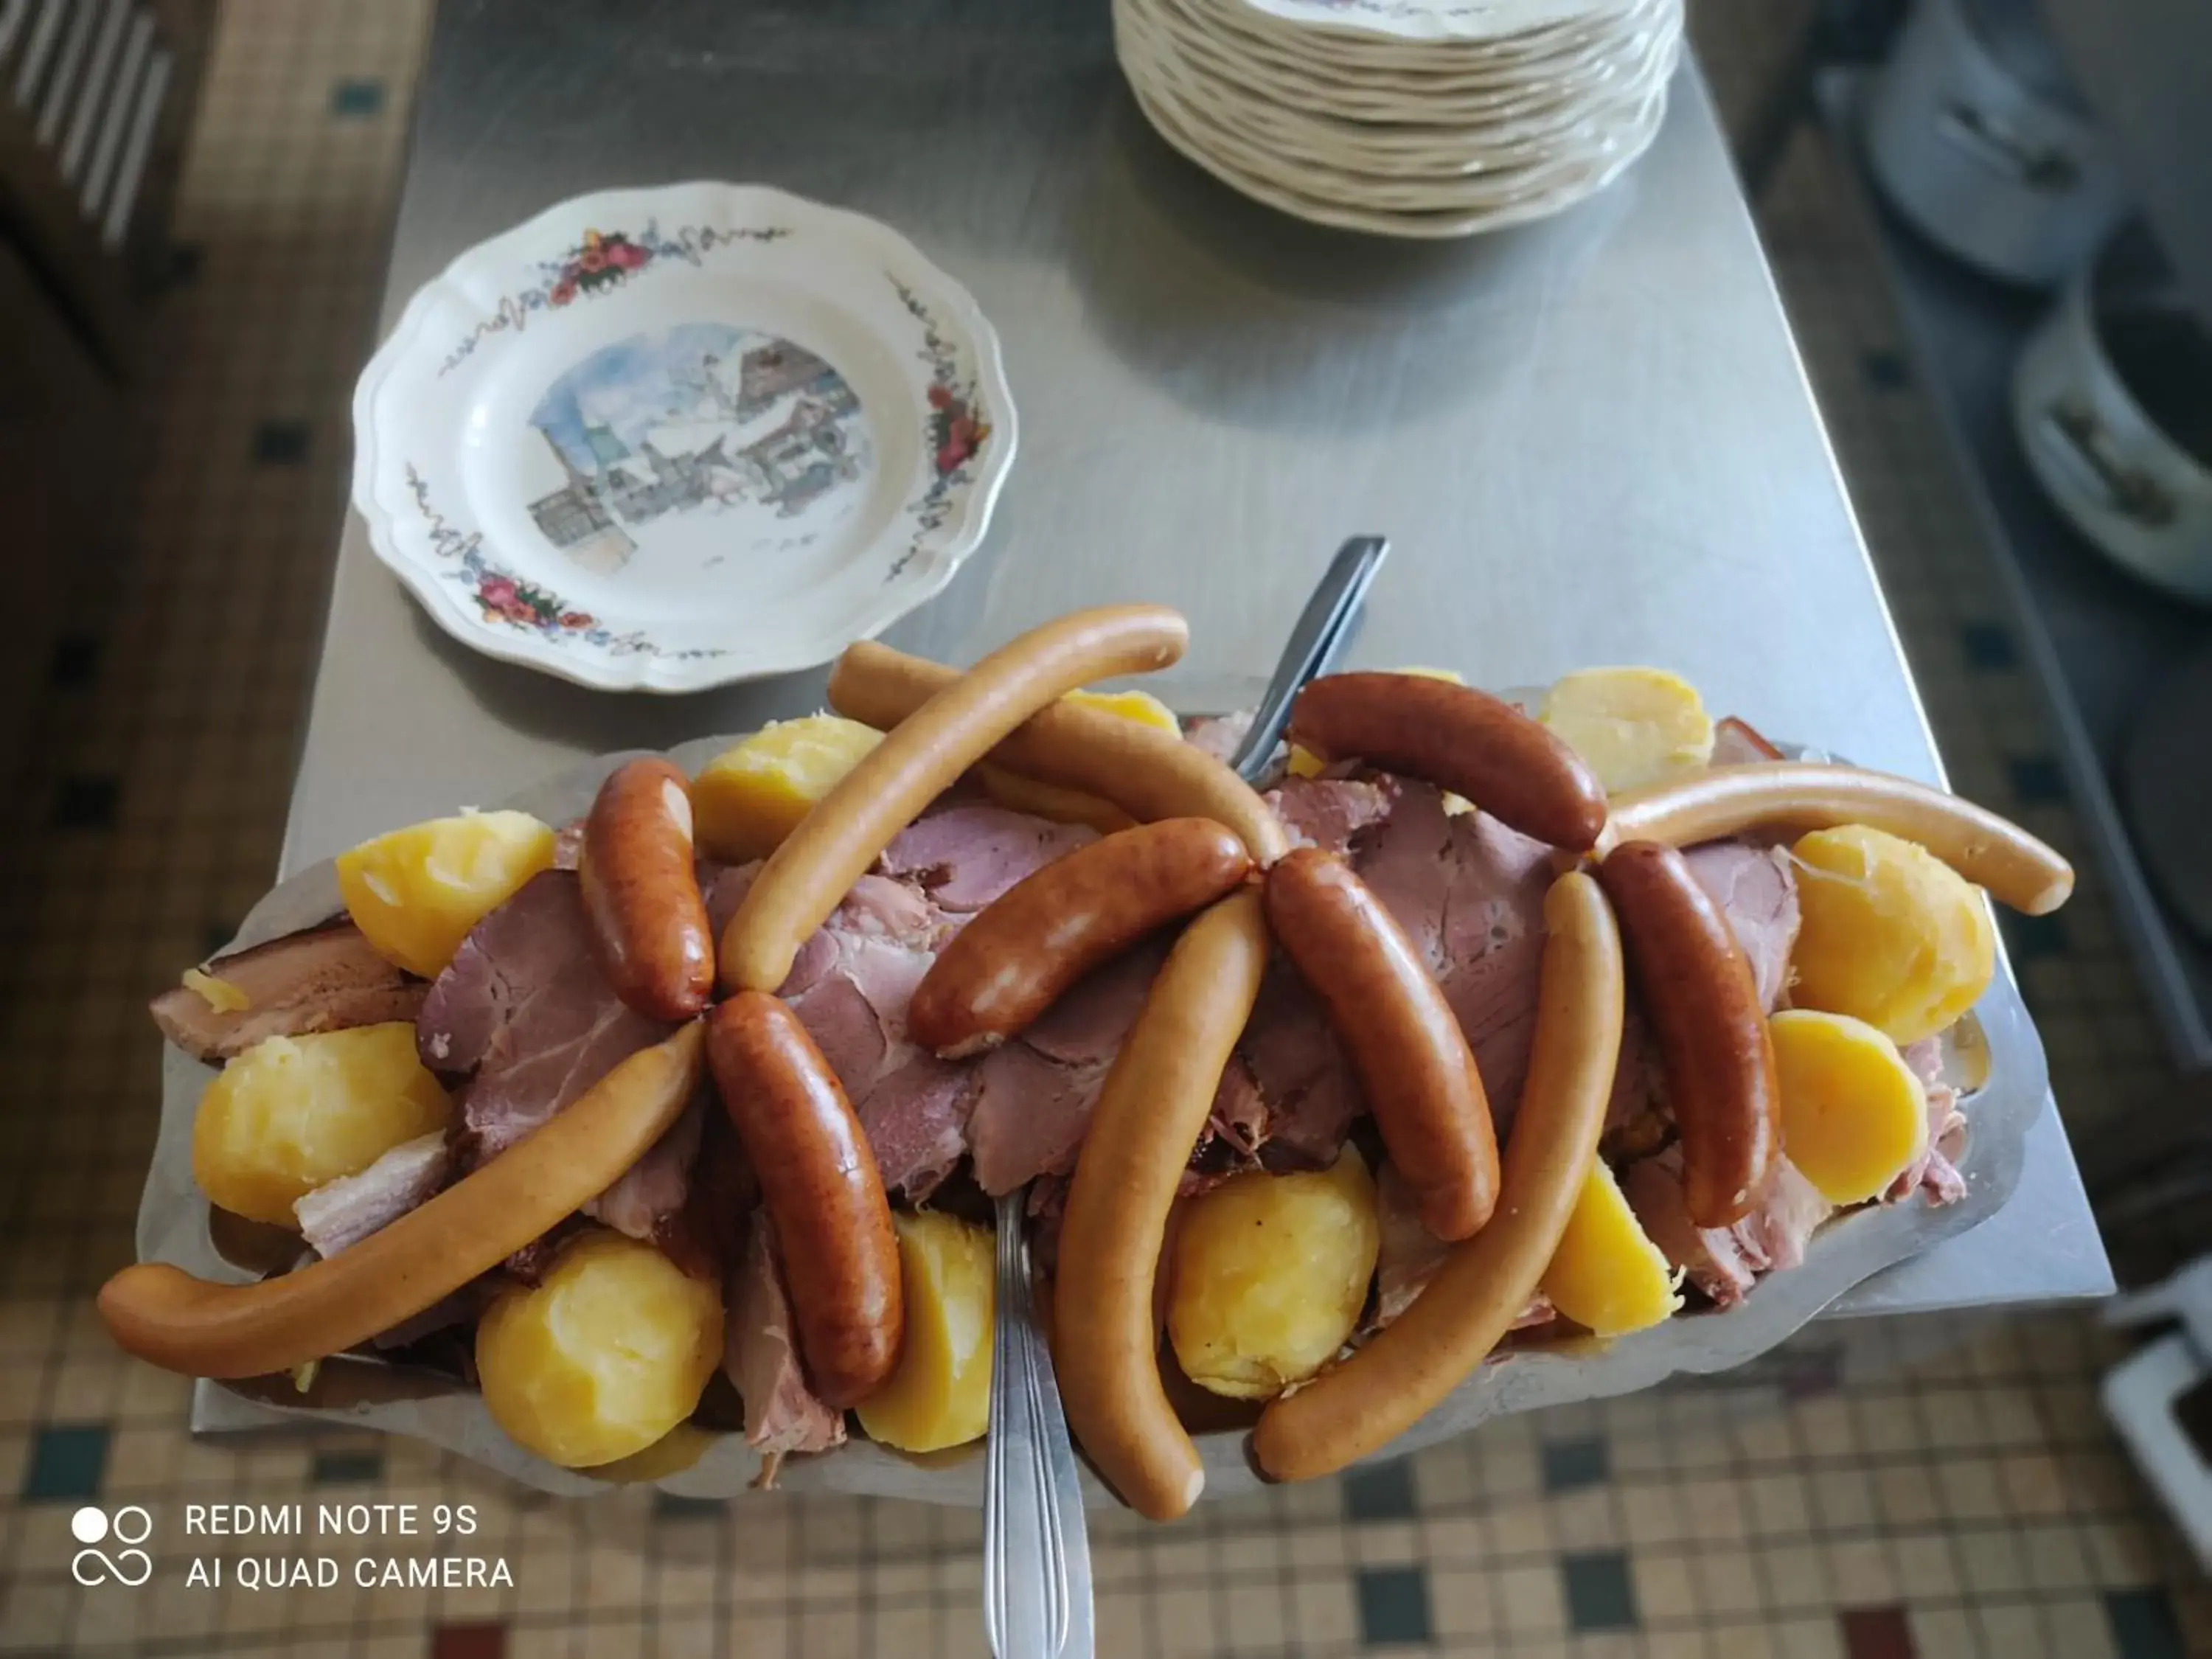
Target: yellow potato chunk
x=1633 y=726
x=604 y=1356
x=747 y=798
x=1854 y=1114
x=1892 y=935
x=1064 y=805
x=940 y=1394
x=292 y=1113
x=1606 y=1275
x=1270 y=1274
x=416 y=892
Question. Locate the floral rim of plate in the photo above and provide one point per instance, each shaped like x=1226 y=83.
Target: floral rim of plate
x=666 y=439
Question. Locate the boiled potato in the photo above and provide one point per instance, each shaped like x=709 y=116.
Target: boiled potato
x=604 y=1356
x=1633 y=726
x=1892 y=935
x=1064 y=805
x=940 y=1395
x=415 y=893
x=1854 y=1114
x=1270 y=1274
x=292 y=1113
x=1606 y=1275
x=747 y=798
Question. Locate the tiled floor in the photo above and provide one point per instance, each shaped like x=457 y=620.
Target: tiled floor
x=1843 y=1498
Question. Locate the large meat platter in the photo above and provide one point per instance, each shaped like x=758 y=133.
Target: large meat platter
x=1993 y=1058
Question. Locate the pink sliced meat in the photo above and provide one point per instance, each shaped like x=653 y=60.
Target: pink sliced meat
x=1239 y=1116
x=1937 y=1171
x=761 y=1355
x=964 y=856
x=1736 y=743
x=342 y=1212
x=524 y=1012
x=1773 y=1237
x=1756 y=889
x=1410 y=1253
x=1329 y=812
x=1714 y=1257
x=1220 y=735
x=326 y=979
x=916 y=1122
x=1305 y=1082
x=647 y=1198
x=1034 y=1095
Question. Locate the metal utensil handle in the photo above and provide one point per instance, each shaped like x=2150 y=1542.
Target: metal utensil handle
x=1324 y=627
x=1037 y=1559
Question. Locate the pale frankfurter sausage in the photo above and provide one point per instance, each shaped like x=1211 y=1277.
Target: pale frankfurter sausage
x=642 y=894
x=1015 y=959
x=170 y=1319
x=1722 y=800
x=1405 y=1371
x=824 y=1193
x=1148 y=773
x=833 y=846
x=1458 y=739
x=1148 y=1118
x=1696 y=988
x=1413 y=1062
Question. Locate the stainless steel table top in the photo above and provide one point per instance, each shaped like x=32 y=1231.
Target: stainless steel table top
x=1591 y=440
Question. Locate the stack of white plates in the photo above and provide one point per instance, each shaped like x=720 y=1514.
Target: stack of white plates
x=1406 y=118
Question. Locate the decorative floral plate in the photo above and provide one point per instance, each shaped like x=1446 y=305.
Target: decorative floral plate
x=660 y=440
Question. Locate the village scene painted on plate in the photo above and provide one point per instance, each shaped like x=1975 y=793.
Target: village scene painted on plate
x=693 y=444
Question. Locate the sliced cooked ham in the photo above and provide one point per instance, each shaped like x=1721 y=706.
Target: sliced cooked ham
x=647 y=1198
x=1713 y=1257
x=344 y=1212
x=916 y=1122
x=1723 y=1261
x=1937 y=1170
x=1330 y=812
x=761 y=1356
x=1756 y=889
x=524 y=1012
x=326 y=979
x=1773 y=1237
x=964 y=856
x=1410 y=1253
x=1218 y=735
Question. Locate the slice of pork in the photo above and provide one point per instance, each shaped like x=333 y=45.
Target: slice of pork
x=761 y=1355
x=964 y=856
x=1034 y=1095
x=1714 y=1257
x=1330 y=812
x=525 y=1014
x=647 y=1198
x=1756 y=889
x=1937 y=1170
x=327 y=979
x=1218 y=735
x=1410 y=1253
x=348 y=1209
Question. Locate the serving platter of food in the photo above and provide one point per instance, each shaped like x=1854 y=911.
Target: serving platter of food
x=1496 y=1052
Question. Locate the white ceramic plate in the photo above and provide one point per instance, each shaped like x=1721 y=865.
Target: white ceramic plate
x=1457 y=107
x=1571 y=130
x=661 y=439
x=1436 y=208
x=1418 y=33
x=1422 y=69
